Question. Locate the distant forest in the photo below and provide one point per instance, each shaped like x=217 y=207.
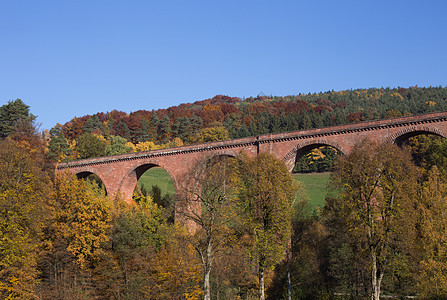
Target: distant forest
x=224 y=117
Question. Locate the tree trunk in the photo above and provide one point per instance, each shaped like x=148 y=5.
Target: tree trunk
x=376 y=278
x=261 y=284
x=206 y=281
x=206 y=285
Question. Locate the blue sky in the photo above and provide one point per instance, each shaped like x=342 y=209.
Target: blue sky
x=72 y=58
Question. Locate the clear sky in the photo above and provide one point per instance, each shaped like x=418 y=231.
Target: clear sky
x=73 y=58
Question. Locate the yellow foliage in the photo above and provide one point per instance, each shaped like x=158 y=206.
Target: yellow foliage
x=131 y=147
x=212 y=107
x=176 y=142
x=101 y=138
x=431 y=103
x=397 y=95
x=146 y=146
x=315 y=154
x=213 y=134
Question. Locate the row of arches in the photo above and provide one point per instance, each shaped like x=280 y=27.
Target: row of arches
x=150 y=176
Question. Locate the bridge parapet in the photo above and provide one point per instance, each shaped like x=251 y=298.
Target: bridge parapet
x=119 y=172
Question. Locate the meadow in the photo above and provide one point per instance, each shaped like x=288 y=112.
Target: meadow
x=314 y=184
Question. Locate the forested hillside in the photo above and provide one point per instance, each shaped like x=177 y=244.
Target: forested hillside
x=224 y=117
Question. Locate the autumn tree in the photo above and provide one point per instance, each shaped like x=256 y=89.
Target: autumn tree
x=75 y=237
x=213 y=134
x=207 y=205
x=24 y=212
x=266 y=195
x=377 y=187
x=432 y=279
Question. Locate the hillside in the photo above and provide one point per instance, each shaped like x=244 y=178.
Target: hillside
x=224 y=117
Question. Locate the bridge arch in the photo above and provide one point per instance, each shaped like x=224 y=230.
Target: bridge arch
x=400 y=137
x=86 y=173
x=130 y=180
x=302 y=148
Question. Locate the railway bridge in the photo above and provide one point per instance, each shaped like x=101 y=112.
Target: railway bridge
x=120 y=173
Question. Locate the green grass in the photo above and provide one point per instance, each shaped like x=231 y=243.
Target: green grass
x=157 y=176
x=314 y=184
x=315 y=187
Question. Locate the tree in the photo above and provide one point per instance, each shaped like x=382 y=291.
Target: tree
x=24 y=212
x=90 y=145
x=144 y=135
x=58 y=148
x=93 y=125
x=377 y=188
x=12 y=113
x=213 y=134
x=75 y=238
x=122 y=129
x=432 y=280
x=137 y=236
x=266 y=194
x=207 y=205
x=164 y=129
x=153 y=125
x=117 y=145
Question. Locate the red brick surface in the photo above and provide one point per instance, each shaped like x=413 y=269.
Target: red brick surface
x=120 y=173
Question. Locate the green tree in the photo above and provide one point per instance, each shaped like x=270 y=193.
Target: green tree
x=58 y=148
x=116 y=146
x=93 y=125
x=377 y=189
x=90 y=145
x=153 y=125
x=144 y=134
x=266 y=196
x=164 y=129
x=11 y=114
x=137 y=235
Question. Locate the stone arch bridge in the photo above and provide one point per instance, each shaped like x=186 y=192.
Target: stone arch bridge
x=120 y=173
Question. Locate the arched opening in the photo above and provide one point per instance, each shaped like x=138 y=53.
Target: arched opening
x=313 y=165
x=427 y=149
x=93 y=178
x=315 y=158
x=413 y=136
x=154 y=181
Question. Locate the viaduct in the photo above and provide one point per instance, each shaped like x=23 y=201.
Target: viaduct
x=120 y=173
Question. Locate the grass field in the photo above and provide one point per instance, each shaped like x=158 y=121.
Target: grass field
x=157 y=176
x=315 y=187
x=314 y=184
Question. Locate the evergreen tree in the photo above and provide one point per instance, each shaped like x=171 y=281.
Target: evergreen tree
x=153 y=133
x=123 y=130
x=164 y=129
x=182 y=128
x=11 y=114
x=144 y=134
x=58 y=147
x=93 y=125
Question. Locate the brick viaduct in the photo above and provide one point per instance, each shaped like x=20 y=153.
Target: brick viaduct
x=120 y=173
